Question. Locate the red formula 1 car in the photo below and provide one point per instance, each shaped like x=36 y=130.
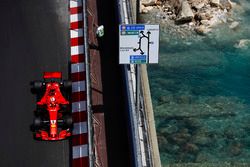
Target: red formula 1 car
x=53 y=119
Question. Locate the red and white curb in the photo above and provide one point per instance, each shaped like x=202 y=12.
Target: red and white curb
x=79 y=110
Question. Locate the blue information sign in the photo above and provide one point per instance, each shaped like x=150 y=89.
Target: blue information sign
x=138 y=59
x=128 y=27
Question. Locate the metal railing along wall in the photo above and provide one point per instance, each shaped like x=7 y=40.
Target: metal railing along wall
x=141 y=153
x=143 y=134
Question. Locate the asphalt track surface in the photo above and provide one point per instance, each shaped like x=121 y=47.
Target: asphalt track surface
x=34 y=37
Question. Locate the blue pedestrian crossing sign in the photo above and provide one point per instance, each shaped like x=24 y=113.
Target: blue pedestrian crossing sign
x=138 y=43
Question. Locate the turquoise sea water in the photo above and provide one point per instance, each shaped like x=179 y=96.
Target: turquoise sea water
x=201 y=95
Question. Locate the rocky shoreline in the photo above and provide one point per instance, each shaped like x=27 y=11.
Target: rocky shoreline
x=199 y=16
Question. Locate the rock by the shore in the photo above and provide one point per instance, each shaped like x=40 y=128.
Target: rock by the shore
x=243 y=44
x=146 y=9
x=148 y=2
x=202 y=30
x=234 y=25
x=198 y=5
x=226 y=4
x=215 y=3
x=185 y=14
x=203 y=14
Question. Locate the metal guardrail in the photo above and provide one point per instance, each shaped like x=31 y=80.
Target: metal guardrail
x=138 y=124
x=88 y=86
x=130 y=80
x=145 y=144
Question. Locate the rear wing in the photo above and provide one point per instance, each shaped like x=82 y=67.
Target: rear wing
x=48 y=75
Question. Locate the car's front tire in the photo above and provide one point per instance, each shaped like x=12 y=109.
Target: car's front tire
x=37 y=122
x=37 y=84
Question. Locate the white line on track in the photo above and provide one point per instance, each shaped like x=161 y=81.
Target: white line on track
x=79 y=106
x=78 y=86
x=76 y=33
x=75 y=50
x=78 y=67
x=80 y=128
x=75 y=17
x=75 y=3
x=80 y=151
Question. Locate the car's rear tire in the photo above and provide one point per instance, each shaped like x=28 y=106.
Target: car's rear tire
x=68 y=121
x=67 y=84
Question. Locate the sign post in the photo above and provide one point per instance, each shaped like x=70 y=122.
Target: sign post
x=138 y=44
